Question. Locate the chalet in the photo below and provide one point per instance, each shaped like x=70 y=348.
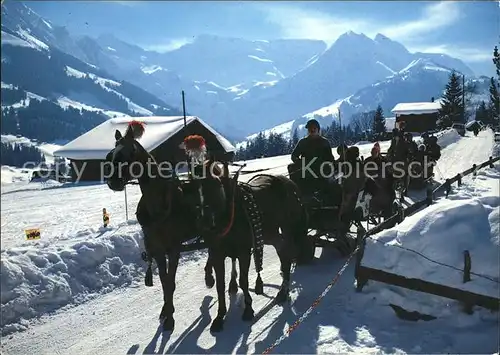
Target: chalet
x=418 y=117
x=162 y=138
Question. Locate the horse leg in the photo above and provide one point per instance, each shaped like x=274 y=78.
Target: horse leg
x=220 y=283
x=244 y=261
x=168 y=285
x=209 y=278
x=284 y=253
x=233 y=285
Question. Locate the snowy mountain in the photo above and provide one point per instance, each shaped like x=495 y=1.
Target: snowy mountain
x=48 y=94
x=421 y=80
x=239 y=86
x=81 y=286
x=352 y=63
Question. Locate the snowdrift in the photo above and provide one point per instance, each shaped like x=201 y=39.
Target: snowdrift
x=37 y=281
x=468 y=220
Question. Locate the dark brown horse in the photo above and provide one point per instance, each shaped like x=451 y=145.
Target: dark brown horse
x=168 y=208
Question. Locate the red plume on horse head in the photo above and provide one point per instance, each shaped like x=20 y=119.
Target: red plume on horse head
x=194 y=142
x=136 y=128
x=195 y=147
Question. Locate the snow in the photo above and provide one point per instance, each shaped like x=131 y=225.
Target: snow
x=416 y=108
x=73 y=72
x=79 y=289
x=26 y=41
x=386 y=67
x=47 y=24
x=260 y=59
x=330 y=110
x=46 y=148
x=442 y=232
x=284 y=129
x=7 y=86
x=96 y=143
x=390 y=123
x=28 y=37
x=151 y=69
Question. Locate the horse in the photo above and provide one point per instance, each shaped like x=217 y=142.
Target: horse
x=167 y=205
x=265 y=210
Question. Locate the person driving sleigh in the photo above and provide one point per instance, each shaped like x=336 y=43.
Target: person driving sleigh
x=313 y=160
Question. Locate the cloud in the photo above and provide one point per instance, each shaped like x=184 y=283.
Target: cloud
x=309 y=24
x=125 y=3
x=296 y=22
x=472 y=55
x=169 y=46
x=434 y=17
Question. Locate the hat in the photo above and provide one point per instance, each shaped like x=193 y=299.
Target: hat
x=312 y=123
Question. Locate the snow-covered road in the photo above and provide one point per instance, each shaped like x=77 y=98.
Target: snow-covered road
x=110 y=320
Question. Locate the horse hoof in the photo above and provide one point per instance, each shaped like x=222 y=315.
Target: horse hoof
x=233 y=288
x=217 y=325
x=168 y=325
x=209 y=281
x=247 y=315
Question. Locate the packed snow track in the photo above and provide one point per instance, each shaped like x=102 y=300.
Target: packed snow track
x=80 y=289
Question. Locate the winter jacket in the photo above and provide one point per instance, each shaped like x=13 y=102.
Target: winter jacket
x=312 y=147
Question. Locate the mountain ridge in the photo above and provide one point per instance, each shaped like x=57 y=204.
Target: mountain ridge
x=260 y=85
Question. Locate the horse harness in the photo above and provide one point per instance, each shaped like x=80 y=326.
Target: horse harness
x=254 y=216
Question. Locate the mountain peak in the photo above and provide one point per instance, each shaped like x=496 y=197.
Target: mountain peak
x=352 y=34
x=380 y=37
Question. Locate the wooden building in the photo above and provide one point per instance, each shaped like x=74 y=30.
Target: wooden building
x=162 y=138
x=418 y=117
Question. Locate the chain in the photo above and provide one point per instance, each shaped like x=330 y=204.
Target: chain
x=296 y=324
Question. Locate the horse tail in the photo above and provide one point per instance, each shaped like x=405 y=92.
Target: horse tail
x=297 y=218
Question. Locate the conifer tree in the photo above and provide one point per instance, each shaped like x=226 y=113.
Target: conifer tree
x=378 y=126
x=451 y=105
x=496 y=61
x=482 y=113
x=294 y=140
x=494 y=104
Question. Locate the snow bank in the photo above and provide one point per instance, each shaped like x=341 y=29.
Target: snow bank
x=36 y=281
x=468 y=220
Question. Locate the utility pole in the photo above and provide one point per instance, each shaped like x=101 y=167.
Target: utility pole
x=463 y=98
x=184 y=107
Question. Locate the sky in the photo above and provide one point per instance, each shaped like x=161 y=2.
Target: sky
x=466 y=30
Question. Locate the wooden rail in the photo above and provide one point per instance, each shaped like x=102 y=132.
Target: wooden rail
x=364 y=273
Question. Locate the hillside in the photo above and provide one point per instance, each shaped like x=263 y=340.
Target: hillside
x=418 y=82
x=50 y=95
x=240 y=86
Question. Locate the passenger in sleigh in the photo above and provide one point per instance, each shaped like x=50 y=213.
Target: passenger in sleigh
x=314 y=154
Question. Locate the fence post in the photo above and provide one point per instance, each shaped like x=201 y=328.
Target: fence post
x=459 y=179
x=429 y=196
x=467 y=307
x=491 y=162
x=447 y=186
x=474 y=171
x=467 y=266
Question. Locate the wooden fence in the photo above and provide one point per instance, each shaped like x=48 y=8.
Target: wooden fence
x=363 y=273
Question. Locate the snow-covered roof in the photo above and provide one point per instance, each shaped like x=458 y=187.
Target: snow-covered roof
x=96 y=143
x=416 y=108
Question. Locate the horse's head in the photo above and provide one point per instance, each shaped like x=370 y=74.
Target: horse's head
x=127 y=160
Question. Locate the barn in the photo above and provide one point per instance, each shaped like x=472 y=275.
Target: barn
x=418 y=117
x=161 y=138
